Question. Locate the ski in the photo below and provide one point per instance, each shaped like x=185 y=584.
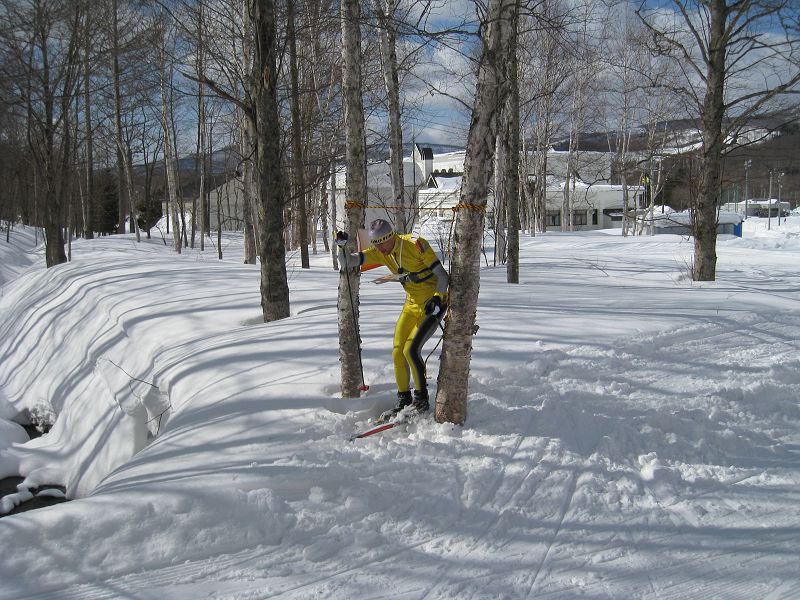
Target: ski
x=404 y=417
x=386 y=416
x=374 y=430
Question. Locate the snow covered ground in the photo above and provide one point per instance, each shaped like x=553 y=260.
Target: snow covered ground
x=631 y=434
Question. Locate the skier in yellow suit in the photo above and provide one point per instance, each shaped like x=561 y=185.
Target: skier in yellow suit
x=425 y=281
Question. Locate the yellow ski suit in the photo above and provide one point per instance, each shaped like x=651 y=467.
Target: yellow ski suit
x=413 y=260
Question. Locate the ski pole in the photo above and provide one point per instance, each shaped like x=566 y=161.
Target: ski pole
x=437 y=343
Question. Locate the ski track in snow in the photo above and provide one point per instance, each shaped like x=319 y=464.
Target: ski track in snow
x=504 y=493
x=494 y=500
x=549 y=486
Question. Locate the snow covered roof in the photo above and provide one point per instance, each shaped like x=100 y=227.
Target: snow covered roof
x=685 y=219
x=444 y=183
x=424 y=152
x=764 y=201
x=378 y=175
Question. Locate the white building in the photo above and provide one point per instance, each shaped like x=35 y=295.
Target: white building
x=437 y=181
x=596 y=206
x=432 y=183
x=226 y=206
x=380 y=194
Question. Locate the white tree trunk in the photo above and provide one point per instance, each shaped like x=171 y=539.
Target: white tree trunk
x=386 y=17
x=451 y=398
x=356 y=197
x=169 y=146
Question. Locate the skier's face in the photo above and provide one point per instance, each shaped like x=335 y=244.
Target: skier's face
x=386 y=247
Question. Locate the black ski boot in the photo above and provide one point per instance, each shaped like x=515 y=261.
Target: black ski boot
x=403 y=400
x=420 y=402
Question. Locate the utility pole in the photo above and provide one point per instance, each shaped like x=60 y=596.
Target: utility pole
x=414 y=200
x=747 y=164
x=769 y=202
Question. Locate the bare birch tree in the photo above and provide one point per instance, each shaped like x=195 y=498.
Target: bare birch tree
x=386 y=14
x=738 y=59
x=247 y=137
x=274 y=284
x=499 y=188
x=451 y=398
x=115 y=75
x=170 y=151
x=88 y=203
x=584 y=75
x=356 y=195
x=623 y=59
x=543 y=74
x=202 y=162
x=300 y=211
x=247 y=76
x=512 y=149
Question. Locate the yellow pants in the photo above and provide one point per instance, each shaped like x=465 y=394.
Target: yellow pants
x=412 y=330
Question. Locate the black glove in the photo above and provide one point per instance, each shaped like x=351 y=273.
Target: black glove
x=341 y=238
x=433 y=306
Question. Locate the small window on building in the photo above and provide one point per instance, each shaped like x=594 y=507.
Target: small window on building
x=553 y=218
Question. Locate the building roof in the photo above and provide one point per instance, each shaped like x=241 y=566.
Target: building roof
x=763 y=201
x=378 y=175
x=684 y=219
x=445 y=182
x=424 y=152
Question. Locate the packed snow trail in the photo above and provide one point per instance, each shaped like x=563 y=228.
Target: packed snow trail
x=630 y=434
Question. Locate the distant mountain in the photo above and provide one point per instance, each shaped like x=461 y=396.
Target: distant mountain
x=222 y=161
x=683 y=134
x=225 y=160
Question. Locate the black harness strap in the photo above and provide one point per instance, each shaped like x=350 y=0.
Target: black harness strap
x=417 y=276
